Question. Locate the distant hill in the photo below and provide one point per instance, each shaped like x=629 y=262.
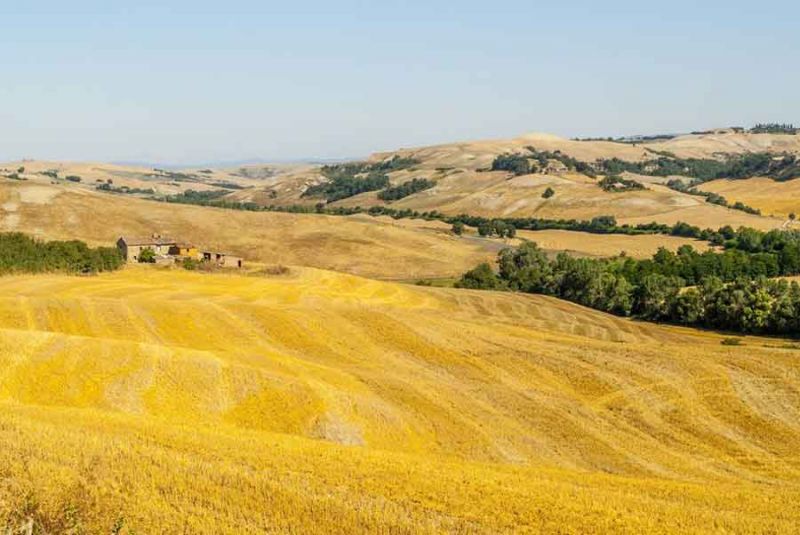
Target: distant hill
x=458 y=178
x=462 y=183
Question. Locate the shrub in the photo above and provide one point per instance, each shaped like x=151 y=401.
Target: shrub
x=188 y=263
x=549 y=192
x=22 y=254
x=278 y=269
x=480 y=278
x=617 y=184
x=393 y=193
x=458 y=228
x=731 y=290
x=147 y=256
x=342 y=187
x=516 y=163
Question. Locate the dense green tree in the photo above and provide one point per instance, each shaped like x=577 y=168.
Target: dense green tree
x=147 y=256
x=516 y=163
x=480 y=278
x=23 y=254
x=393 y=193
x=726 y=290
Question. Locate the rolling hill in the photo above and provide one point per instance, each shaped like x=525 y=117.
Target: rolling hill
x=370 y=246
x=462 y=184
x=310 y=399
x=161 y=400
x=771 y=197
x=359 y=246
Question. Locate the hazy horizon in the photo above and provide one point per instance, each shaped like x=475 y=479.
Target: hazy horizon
x=198 y=82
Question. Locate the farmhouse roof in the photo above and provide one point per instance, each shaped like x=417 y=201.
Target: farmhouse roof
x=148 y=240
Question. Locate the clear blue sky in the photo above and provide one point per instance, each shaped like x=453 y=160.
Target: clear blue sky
x=181 y=82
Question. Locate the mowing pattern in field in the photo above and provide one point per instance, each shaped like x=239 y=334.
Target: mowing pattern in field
x=317 y=401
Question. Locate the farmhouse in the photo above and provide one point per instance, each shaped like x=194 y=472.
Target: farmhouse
x=131 y=247
x=186 y=250
x=168 y=251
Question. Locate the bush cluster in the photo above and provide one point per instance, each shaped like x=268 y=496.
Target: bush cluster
x=774 y=128
x=617 y=184
x=352 y=178
x=125 y=189
x=728 y=290
x=410 y=187
x=710 y=197
x=20 y=253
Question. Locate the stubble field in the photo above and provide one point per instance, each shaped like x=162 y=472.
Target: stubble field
x=162 y=400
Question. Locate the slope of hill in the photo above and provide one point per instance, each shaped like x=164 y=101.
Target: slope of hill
x=370 y=248
x=90 y=175
x=577 y=243
x=162 y=400
x=771 y=197
x=462 y=184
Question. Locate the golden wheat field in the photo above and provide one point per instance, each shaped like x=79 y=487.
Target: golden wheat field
x=159 y=400
x=584 y=244
x=770 y=196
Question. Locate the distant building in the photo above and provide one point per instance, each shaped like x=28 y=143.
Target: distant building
x=185 y=250
x=169 y=251
x=132 y=246
x=222 y=259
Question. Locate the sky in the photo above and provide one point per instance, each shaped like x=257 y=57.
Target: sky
x=197 y=82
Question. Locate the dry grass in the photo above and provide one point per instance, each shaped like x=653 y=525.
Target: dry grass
x=583 y=244
x=361 y=246
x=461 y=188
x=771 y=197
x=319 y=402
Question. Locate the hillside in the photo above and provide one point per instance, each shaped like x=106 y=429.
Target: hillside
x=771 y=197
x=461 y=181
x=316 y=401
x=363 y=247
x=462 y=184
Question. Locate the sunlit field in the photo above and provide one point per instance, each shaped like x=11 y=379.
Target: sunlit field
x=155 y=400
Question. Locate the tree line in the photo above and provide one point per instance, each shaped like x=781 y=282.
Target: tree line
x=617 y=184
x=603 y=224
x=20 y=253
x=352 y=178
x=410 y=187
x=780 y=167
x=713 y=198
x=774 y=128
x=727 y=291
x=739 y=166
